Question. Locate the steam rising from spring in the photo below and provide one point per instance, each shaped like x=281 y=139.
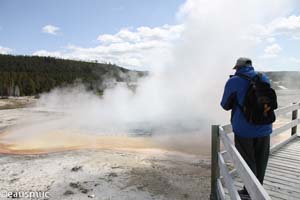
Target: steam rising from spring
x=183 y=93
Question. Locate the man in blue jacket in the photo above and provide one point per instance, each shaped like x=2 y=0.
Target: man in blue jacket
x=252 y=141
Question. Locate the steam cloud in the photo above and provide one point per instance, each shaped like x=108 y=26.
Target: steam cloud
x=183 y=93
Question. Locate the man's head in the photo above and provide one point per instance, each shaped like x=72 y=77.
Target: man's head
x=241 y=62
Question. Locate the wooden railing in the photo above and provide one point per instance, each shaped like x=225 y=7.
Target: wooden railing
x=222 y=177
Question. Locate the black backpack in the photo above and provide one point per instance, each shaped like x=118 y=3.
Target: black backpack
x=260 y=101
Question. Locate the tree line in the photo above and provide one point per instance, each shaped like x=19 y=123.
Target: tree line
x=31 y=75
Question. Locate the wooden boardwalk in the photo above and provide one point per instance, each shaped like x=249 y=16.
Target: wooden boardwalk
x=282 y=180
x=229 y=171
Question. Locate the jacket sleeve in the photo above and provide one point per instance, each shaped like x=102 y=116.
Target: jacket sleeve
x=229 y=96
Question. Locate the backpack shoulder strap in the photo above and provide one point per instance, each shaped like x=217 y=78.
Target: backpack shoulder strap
x=258 y=76
x=244 y=76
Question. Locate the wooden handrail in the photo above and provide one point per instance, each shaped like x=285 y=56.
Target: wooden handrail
x=221 y=193
x=252 y=184
x=227 y=128
x=215 y=172
x=280 y=111
x=294 y=116
x=285 y=127
x=229 y=183
x=287 y=109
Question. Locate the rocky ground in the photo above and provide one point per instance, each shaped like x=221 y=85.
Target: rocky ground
x=107 y=174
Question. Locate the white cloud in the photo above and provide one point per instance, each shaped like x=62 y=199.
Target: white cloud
x=143 y=34
x=5 y=50
x=50 y=29
x=107 y=38
x=47 y=53
x=132 y=48
x=287 y=26
x=272 y=51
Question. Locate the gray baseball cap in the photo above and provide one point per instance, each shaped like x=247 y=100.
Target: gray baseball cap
x=242 y=62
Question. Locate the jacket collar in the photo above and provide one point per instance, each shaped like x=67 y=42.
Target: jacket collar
x=244 y=69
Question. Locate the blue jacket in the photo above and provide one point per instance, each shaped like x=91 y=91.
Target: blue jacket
x=235 y=92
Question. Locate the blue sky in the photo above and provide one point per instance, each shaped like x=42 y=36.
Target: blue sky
x=129 y=33
x=80 y=22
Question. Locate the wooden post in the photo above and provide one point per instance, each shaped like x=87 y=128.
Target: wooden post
x=294 y=116
x=215 y=172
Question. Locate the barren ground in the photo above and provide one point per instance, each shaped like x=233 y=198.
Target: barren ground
x=133 y=168
x=107 y=174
